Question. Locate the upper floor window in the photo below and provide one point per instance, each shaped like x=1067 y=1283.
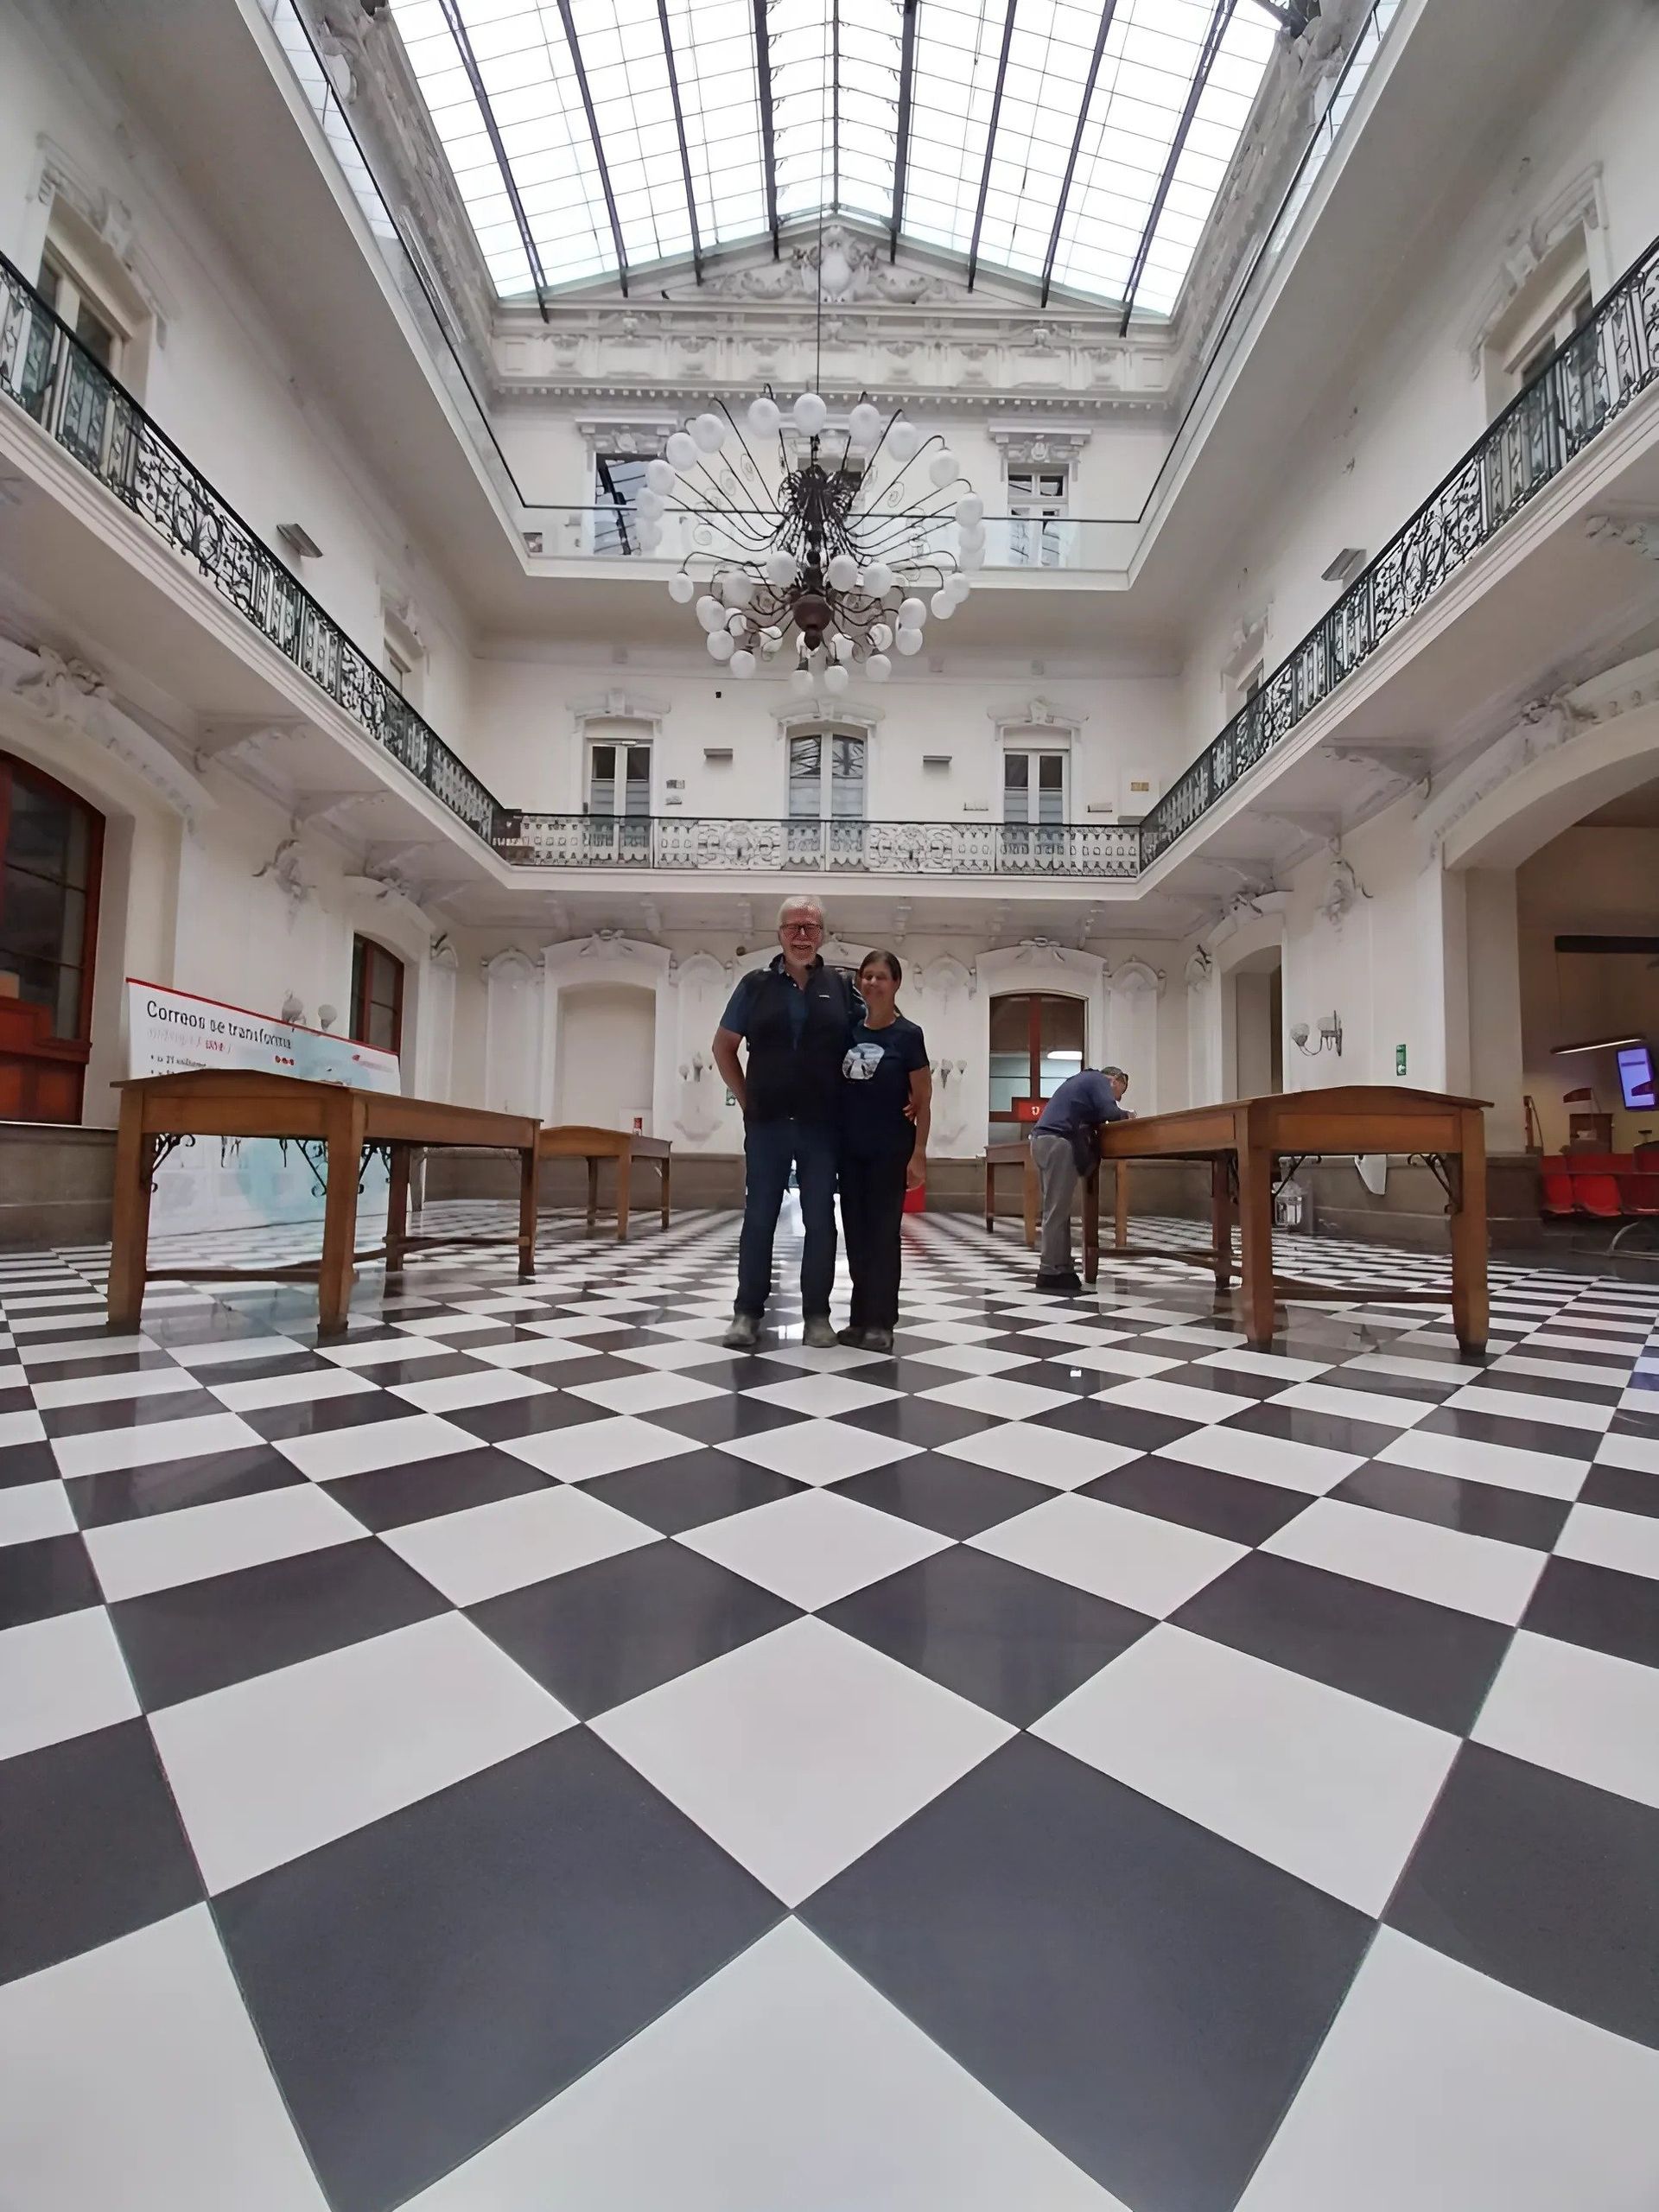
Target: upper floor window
x=377 y=996
x=1554 y=301
x=1033 y=786
x=69 y=295
x=51 y=854
x=619 y=779
x=618 y=481
x=1037 y=505
x=827 y=775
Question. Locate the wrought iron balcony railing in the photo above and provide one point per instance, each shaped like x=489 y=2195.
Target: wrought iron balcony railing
x=1588 y=383
x=1584 y=387
x=911 y=849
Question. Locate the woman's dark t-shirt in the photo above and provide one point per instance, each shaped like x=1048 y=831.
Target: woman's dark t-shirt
x=875 y=1088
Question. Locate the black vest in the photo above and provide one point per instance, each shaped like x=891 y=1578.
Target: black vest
x=786 y=1081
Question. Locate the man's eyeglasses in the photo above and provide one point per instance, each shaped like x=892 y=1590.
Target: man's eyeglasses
x=802 y=928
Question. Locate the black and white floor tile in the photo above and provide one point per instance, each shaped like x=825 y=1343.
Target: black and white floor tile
x=523 y=1755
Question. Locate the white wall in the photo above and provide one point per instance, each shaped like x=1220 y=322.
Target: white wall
x=607 y=1055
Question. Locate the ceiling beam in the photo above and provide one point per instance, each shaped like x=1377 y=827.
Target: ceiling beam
x=685 y=155
x=470 y=63
x=991 y=141
x=763 y=94
x=1106 y=14
x=568 y=21
x=901 y=149
x=1213 y=38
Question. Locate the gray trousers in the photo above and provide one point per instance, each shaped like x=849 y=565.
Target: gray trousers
x=1057 y=1178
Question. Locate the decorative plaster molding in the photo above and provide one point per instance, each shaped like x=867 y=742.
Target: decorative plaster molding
x=442 y=954
x=1639 y=531
x=698 y=967
x=851 y=269
x=1199 y=971
x=1579 y=203
x=510 y=966
x=1343 y=892
x=283 y=869
x=1025 y=445
x=608 y=944
x=1135 y=977
x=618 y=707
x=76 y=695
x=625 y=437
x=947 y=978
x=807 y=716
x=59 y=175
x=1036 y=714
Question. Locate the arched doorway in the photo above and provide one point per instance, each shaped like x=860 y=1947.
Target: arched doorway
x=1037 y=1039
x=51 y=860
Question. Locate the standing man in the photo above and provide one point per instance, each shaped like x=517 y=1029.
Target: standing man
x=1066 y=1148
x=796 y=1017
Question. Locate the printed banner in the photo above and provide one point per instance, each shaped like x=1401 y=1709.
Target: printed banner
x=224 y=1183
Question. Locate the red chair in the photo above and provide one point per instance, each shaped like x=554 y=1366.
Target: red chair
x=1640 y=1194
x=1556 y=1194
x=1598 y=1196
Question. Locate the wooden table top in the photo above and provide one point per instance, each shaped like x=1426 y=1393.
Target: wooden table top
x=580 y=1140
x=1350 y=1117
x=253 y=1102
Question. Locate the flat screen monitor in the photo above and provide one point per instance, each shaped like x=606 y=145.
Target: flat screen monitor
x=1636 y=1077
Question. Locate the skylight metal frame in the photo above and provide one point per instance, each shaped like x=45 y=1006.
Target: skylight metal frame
x=990 y=134
x=901 y=147
x=1107 y=12
x=582 y=86
x=510 y=184
x=768 y=143
x=679 y=131
x=1224 y=10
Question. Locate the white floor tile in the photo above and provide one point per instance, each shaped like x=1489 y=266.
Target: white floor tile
x=537 y=1351
x=971 y=1359
x=1113 y=1360
x=1583 y=1712
x=813 y=1548
x=1180 y=1401
x=1134 y=1559
x=100 y=1451
x=837 y=2100
x=599 y=1447
x=1640 y=1453
x=819 y=1451
x=1447 y=1567
x=1604 y=1537
x=1053 y=1457
x=821 y=1396
x=1413 y=1370
x=801 y=1749
x=23 y=1427
x=301 y=1388
x=485 y=1549
x=1381 y=1406
x=110 y=1388
x=1311 y=1468
x=1558 y=1370
x=131 y=2076
x=165 y=1549
x=683 y=1354
x=275 y=1766
x=448 y=1325
x=484 y=1386
x=382 y=1352
x=1326 y=1785
x=1439 y=2090
x=61 y=1677
x=1532 y=1405
x=327 y=1454
x=646 y=1393
x=31 y=1510
x=1270 y=1364
x=997 y=1397
x=1544 y=1474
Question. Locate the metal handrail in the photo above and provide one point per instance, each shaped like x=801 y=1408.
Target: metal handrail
x=1586 y=385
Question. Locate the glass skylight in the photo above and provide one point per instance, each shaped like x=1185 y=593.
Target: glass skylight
x=1101 y=169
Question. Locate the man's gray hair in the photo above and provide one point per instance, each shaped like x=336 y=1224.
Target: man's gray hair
x=1119 y=1074
x=801 y=898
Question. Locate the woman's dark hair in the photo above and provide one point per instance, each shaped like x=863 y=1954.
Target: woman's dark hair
x=891 y=959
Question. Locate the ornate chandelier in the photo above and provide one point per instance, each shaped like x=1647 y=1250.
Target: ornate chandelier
x=838 y=554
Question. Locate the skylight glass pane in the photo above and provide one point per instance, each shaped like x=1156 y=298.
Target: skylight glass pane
x=834 y=70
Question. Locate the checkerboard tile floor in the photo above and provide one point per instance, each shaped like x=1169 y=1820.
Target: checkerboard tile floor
x=522 y=1754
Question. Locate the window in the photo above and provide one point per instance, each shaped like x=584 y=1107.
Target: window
x=826 y=776
x=1245 y=688
x=1037 y=1040
x=618 y=481
x=619 y=779
x=62 y=384
x=1037 y=534
x=1034 y=786
x=377 y=996
x=398 y=670
x=72 y=301
x=51 y=855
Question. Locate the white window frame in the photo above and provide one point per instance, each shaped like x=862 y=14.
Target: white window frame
x=627 y=782
x=605 y=506
x=1029 y=752
x=403 y=657
x=1556 y=299
x=1029 y=504
x=828 y=732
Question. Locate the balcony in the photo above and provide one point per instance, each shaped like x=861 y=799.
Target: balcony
x=665 y=843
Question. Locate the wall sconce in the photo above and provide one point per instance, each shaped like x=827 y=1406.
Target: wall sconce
x=1329 y=1036
x=694 y=1069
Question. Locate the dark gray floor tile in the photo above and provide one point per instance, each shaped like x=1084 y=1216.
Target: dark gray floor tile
x=198 y=1637
x=919 y=1420
x=1013 y=1641
x=1545 y=1883
x=131 y=1493
x=1519 y=1434
x=105 y=1414
x=1233 y=1506
x=611 y=1631
x=423 y=1983
x=717 y=1421
x=1144 y=1993
x=53 y=1574
x=1330 y=1432
x=91 y=1848
x=1598 y=1606
x=1627 y=1490
x=1114 y=1424
x=690 y=1490
x=1426 y=1661
x=952 y=1497
x=390 y=1497
x=1512 y=1516
x=28 y=1463
x=321 y=1416
x=509 y=1418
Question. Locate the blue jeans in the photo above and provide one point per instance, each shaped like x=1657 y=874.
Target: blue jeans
x=770 y=1149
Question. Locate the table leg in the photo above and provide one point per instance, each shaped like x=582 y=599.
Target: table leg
x=528 y=1181
x=592 y=1194
x=1121 y=1206
x=1034 y=1203
x=1221 y=1222
x=1468 y=1224
x=624 y=1193
x=344 y=1136
x=398 y=1205
x=1255 y=1243
x=135 y=1164
x=664 y=1168
x=1091 y=1226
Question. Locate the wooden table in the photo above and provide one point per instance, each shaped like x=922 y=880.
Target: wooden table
x=573 y=1141
x=1018 y=1154
x=1246 y=1142
x=157 y=1111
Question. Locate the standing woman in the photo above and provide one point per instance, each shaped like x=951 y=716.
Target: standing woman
x=886 y=1101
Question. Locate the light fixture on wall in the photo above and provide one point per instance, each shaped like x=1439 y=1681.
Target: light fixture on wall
x=840 y=557
x=1329 y=1036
